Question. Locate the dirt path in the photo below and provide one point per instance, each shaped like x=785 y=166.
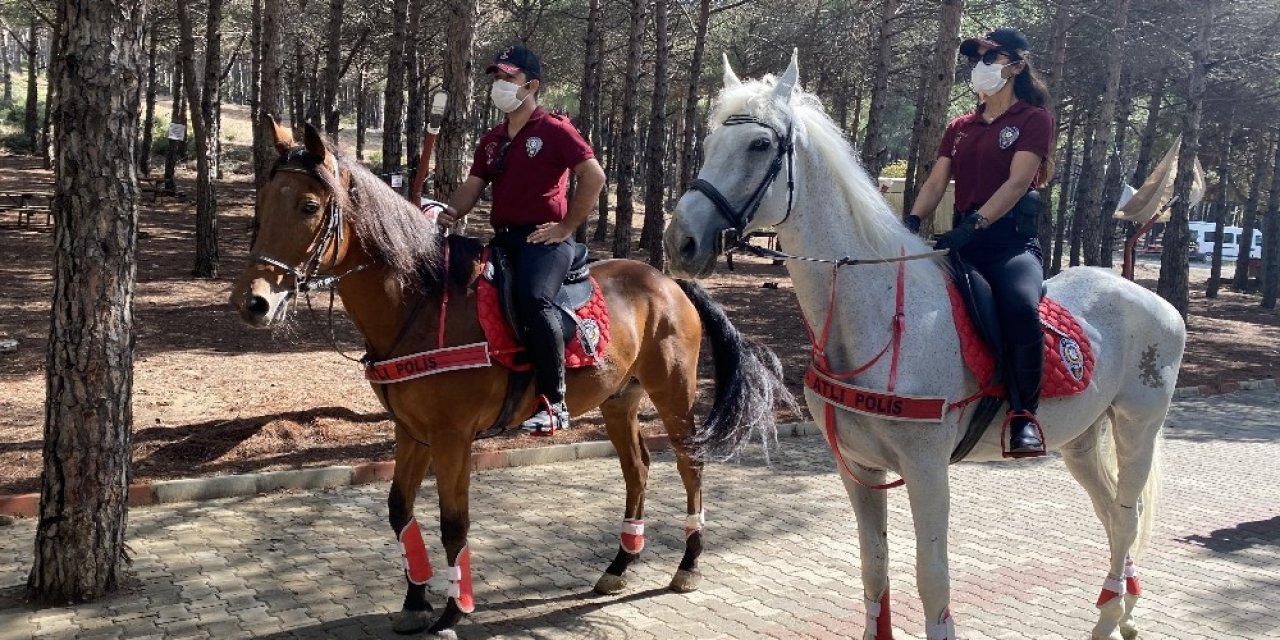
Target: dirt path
x=212 y=397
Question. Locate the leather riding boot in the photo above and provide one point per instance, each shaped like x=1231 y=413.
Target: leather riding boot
x=544 y=338
x=1026 y=367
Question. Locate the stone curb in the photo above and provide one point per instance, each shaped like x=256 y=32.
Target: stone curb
x=196 y=489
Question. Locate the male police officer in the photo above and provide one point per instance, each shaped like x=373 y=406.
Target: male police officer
x=527 y=159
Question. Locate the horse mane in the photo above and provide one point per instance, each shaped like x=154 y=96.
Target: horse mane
x=870 y=215
x=389 y=227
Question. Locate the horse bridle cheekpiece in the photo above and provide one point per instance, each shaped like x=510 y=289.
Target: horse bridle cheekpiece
x=306 y=277
x=739 y=219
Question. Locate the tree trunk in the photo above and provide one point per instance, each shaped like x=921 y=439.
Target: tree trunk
x=1143 y=164
x=414 y=121
x=1114 y=183
x=1220 y=208
x=589 y=91
x=1172 y=285
x=689 y=139
x=1241 y=280
x=607 y=139
x=627 y=136
x=31 y=116
x=938 y=78
x=453 y=142
x=297 y=90
x=1067 y=180
x=362 y=107
x=332 y=68
x=872 y=154
x=7 y=69
x=175 y=149
x=51 y=94
x=1078 y=215
x=1091 y=202
x=204 y=124
x=393 y=108
x=656 y=142
x=269 y=73
x=1271 y=234
x=80 y=550
x=144 y=151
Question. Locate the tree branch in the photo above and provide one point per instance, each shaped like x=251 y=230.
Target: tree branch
x=355 y=48
x=230 y=63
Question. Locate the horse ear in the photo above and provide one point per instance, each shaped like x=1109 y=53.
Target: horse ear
x=283 y=137
x=789 y=78
x=730 y=78
x=314 y=143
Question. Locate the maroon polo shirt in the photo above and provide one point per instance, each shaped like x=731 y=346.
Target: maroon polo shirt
x=981 y=152
x=530 y=173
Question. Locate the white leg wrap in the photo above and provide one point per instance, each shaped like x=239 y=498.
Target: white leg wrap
x=873 y=612
x=945 y=630
x=694 y=522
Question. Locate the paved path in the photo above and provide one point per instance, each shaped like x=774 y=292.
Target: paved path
x=781 y=558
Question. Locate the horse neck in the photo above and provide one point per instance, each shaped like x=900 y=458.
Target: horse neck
x=865 y=295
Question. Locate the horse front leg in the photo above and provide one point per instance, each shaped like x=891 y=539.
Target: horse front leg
x=412 y=460
x=453 y=480
x=870 y=507
x=930 y=510
x=621 y=417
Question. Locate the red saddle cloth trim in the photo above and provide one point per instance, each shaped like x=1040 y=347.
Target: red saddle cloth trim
x=593 y=319
x=1068 y=355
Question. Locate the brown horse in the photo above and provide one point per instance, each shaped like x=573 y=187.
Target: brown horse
x=325 y=221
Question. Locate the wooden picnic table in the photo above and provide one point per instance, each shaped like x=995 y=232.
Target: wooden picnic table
x=27 y=204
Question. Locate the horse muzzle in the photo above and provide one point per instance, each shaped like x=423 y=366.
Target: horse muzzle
x=691 y=255
x=260 y=305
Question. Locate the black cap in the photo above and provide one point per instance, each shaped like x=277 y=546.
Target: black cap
x=515 y=59
x=1002 y=39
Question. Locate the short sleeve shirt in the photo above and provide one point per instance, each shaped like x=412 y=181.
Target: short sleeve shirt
x=530 y=172
x=981 y=153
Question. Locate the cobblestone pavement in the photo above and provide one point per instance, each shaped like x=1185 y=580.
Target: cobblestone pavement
x=1028 y=557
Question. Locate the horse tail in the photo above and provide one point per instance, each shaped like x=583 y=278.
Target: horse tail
x=1109 y=463
x=748 y=385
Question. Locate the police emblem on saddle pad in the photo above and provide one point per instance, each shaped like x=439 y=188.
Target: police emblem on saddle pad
x=1068 y=356
x=584 y=350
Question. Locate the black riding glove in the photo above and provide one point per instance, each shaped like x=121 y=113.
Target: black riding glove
x=912 y=223
x=963 y=234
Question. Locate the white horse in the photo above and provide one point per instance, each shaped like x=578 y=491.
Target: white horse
x=774 y=159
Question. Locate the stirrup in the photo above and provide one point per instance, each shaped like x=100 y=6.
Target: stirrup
x=1004 y=436
x=549 y=419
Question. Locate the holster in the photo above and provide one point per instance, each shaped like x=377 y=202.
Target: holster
x=1026 y=215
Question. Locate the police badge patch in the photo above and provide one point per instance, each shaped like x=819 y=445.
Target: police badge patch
x=1008 y=136
x=533 y=145
x=1072 y=357
x=589 y=336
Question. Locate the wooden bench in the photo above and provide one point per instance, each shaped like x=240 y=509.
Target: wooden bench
x=153 y=188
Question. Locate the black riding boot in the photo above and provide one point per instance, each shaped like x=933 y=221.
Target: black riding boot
x=1026 y=365
x=544 y=338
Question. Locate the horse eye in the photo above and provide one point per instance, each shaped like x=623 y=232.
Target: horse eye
x=759 y=144
x=311 y=207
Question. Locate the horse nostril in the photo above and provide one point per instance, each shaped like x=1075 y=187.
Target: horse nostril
x=689 y=249
x=257 y=305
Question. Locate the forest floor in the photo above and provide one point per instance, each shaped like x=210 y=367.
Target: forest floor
x=212 y=397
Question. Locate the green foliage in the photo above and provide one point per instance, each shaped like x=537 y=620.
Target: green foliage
x=18 y=143
x=895 y=169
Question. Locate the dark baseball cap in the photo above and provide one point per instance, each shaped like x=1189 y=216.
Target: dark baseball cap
x=515 y=59
x=1002 y=39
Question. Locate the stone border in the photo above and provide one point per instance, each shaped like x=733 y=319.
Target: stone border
x=195 y=489
x=144 y=494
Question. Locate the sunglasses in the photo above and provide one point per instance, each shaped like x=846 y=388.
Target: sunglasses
x=991 y=56
x=500 y=158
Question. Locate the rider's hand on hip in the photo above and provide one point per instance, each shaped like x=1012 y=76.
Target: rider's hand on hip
x=551 y=233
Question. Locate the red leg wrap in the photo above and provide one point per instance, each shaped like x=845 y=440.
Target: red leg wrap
x=460 y=582
x=417 y=565
x=1112 y=588
x=632 y=536
x=1131 y=583
x=884 y=623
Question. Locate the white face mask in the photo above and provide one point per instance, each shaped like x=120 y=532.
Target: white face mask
x=986 y=79
x=504 y=95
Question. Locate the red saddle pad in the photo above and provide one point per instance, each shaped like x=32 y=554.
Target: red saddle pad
x=584 y=350
x=1068 y=356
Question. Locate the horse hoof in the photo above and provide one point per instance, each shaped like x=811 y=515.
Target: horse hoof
x=407 y=622
x=1128 y=631
x=450 y=634
x=609 y=585
x=686 y=581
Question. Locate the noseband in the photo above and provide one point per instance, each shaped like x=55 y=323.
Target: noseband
x=740 y=218
x=307 y=277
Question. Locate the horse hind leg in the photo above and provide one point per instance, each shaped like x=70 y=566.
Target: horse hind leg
x=1123 y=500
x=621 y=416
x=412 y=460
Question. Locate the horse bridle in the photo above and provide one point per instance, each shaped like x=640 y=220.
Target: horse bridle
x=307 y=277
x=739 y=219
